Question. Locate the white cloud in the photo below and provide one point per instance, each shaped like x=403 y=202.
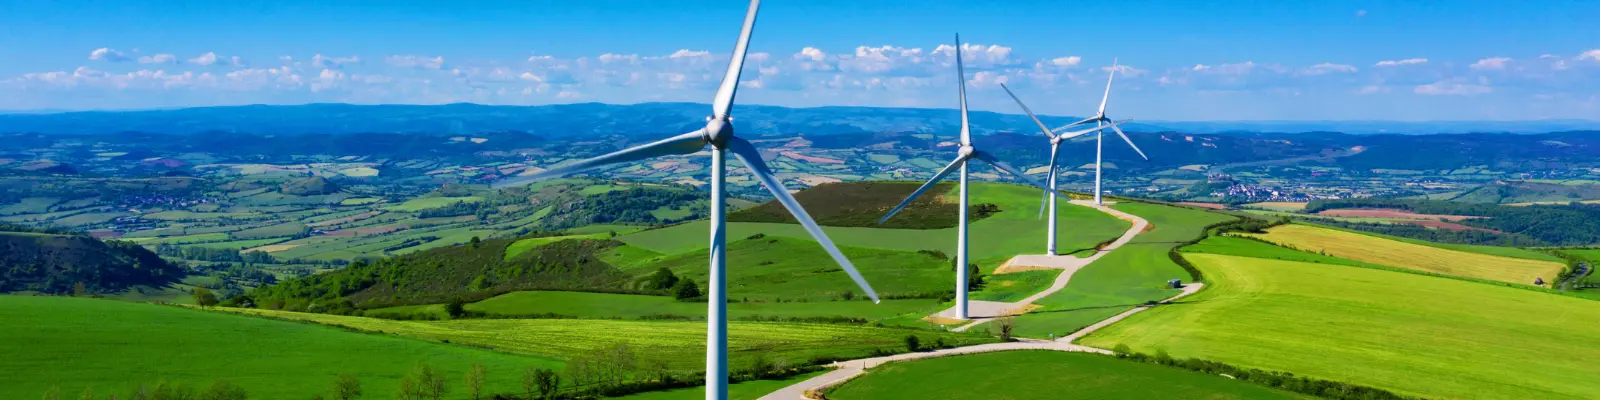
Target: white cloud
x=810 y=53
x=976 y=54
x=411 y=61
x=204 y=59
x=878 y=60
x=529 y=76
x=1396 y=63
x=325 y=62
x=1226 y=69
x=1491 y=63
x=1326 y=68
x=1592 y=55
x=106 y=54
x=236 y=61
x=1361 y=13
x=1063 y=62
x=812 y=59
x=1548 y=56
x=686 y=53
x=1446 y=88
x=1124 y=70
x=159 y=59
x=610 y=58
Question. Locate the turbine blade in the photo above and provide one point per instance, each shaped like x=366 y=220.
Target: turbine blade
x=1108 y=86
x=1051 y=176
x=730 y=80
x=1003 y=166
x=1025 y=109
x=1097 y=128
x=1130 y=142
x=961 y=74
x=925 y=186
x=752 y=158
x=1084 y=121
x=687 y=143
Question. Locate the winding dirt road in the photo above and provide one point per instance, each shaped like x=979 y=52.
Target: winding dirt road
x=845 y=370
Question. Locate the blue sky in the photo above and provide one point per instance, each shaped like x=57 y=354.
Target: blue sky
x=1184 y=60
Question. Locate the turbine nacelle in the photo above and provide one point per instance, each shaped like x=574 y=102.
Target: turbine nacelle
x=718 y=131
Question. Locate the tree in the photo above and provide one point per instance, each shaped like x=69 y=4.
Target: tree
x=474 y=380
x=430 y=383
x=346 y=387
x=204 y=297
x=52 y=394
x=547 y=381
x=685 y=290
x=913 y=344
x=224 y=390
x=662 y=279
x=88 y=393
x=456 y=308
x=78 y=290
x=1007 y=325
x=474 y=243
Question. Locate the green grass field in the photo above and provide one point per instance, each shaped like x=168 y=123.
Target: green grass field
x=424 y=203
x=994 y=239
x=522 y=246
x=1410 y=333
x=748 y=390
x=113 y=346
x=1376 y=250
x=680 y=343
x=777 y=267
x=1125 y=278
x=631 y=306
x=1043 y=375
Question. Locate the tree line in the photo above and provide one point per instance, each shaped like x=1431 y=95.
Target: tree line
x=1549 y=224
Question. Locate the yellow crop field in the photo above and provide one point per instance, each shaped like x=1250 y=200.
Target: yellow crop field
x=1392 y=253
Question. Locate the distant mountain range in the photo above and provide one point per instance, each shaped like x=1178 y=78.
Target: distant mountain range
x=658 y=118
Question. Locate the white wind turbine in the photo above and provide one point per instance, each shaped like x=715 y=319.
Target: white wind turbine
x=719 y=134
x=1055 y=146
x=965 y=153
x=1099 y=119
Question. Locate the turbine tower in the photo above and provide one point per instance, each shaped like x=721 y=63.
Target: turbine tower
x=965 y=153
x=1099 y=119
x=1055 y=146
x=718 y=133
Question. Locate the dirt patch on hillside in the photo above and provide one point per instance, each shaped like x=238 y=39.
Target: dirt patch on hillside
x=1213 y=206
x=1390 y=213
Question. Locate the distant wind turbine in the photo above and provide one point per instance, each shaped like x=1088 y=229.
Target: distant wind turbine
x=965 y=153
x=719 y=134
x=1055 y=146
x=1099 y=120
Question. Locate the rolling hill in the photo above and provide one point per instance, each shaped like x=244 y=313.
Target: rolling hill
x=54 y=263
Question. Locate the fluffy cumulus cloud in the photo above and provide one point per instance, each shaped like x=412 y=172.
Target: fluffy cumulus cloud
x=876 y=74
x=205 y=59
x=410 y=61
x=1328 y=68
x=106 y=54
x=1491 y=63
x=1396 y=63
x=158 y=59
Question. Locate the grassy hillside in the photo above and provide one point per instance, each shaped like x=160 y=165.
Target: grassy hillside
x=51 y=263
x=863 y=203
x=632 y=306
x=113 y=346
x=747 y=390
x=1042 y=375
x=441 y=274
x=1371 y=249
x=1414 y=334
x=679 y=343
x=1016 y=229
x=774 y=267
x=1127 y=277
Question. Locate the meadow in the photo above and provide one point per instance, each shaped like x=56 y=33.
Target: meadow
x=747 y=390
x=773 y=268
x=1413 y=334
x=681 y=344
x=1040 y=374
x=991 y=238
x=633 y=306
x=113 y=346
x=1371 y=249
x=1125 y=278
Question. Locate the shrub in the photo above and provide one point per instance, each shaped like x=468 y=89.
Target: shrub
x=913 y=344
x=456 y=308
x=685 y=290
x=474 y=381
x=346 y=387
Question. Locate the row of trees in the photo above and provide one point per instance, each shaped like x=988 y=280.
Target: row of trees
x=199 y=253
x=1560 y=225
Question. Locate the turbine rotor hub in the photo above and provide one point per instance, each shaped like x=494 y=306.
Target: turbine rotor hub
x=718 y=130
x=966 y=151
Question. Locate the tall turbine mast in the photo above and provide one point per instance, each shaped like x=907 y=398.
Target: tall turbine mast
x=718 y=133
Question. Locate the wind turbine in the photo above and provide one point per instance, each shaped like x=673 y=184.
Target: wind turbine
x=965 y=153
x=1099 y=119
x=719 y=134
x=1055 y=146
